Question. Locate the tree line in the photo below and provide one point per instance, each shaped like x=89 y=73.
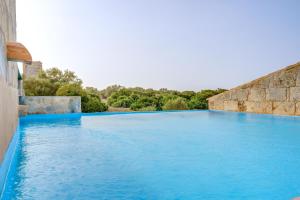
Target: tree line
x=54 y=82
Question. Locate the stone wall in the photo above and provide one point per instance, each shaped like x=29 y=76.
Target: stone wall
x=276 y=93
x=8 y=77
x=52 y=104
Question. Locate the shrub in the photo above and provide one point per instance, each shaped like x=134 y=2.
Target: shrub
x=122 y=101
x=70 y=90
x=197 y=103
x=93 y=104
x=176 y=104
x=90 y=102
x=148 y=108
x=39 y=87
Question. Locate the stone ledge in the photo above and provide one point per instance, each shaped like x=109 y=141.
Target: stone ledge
x=23 y=110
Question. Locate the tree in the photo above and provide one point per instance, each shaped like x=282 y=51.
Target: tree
x=54 y=82
x=39 y=87
x=89 y=102
x=199 y=101
x=176 y=104
x=49 y=81
x=187 y=94
x=70 y=90
x=104 y=94
x=93 y=104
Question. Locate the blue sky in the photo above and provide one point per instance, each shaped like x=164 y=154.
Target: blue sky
x=176 y=44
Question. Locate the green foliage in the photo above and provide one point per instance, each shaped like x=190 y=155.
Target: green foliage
x=138 y=99
x=176 y=104
x=122 y=101
x=187 y=94
x=90 y=101
x=39 y=87
x=148 y=108
x=93 y=104
x=199 y=101
x=49 y=81
x=70 y=90
x=54 y=82
x=104 y=94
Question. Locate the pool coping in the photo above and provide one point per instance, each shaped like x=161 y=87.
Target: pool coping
x=68 y=115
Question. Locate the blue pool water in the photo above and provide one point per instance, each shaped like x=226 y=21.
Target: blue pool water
x=166 y=155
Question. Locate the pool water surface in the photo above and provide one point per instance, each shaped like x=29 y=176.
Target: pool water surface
x=163 y=155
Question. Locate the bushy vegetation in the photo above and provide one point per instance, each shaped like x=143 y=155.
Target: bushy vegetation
x=139 y=99
x=54 y=82
x=176 y=104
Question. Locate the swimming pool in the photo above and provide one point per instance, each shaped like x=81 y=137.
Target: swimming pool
x=164 y=155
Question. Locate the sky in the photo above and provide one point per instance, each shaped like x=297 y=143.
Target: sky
x=175 y=44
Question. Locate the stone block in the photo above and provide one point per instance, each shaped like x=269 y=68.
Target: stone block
x=216 y=105
x=231 y=106
x=226 y=96
x=284 y=79
x=294 y=94
x=257 y=94
x=239 y=94
x=262 y=83
x=259 y=107
x=298 y=78
x=297 y=112
x=284 y=108
x=276 y=94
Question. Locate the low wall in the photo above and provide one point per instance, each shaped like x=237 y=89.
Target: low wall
x=276 y=93
x=52 y=104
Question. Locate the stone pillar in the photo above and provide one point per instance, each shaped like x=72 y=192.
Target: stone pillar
x=32 y=70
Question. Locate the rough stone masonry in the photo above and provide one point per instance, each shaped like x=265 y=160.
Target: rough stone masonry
x=276 y=93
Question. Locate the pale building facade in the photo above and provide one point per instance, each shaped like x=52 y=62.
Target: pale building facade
x=8 y=76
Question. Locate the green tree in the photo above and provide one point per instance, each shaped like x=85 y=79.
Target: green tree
x=89 y=102
x=199 y=101
x=70 y=90
x=93 y=104
x=39 y=87
x=104 y=94
x=48 y=82
x=176 y=104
